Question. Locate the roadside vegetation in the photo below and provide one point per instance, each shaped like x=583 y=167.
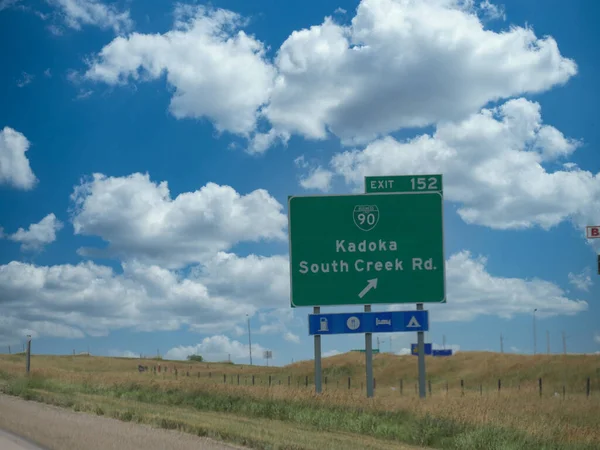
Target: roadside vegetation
x=205 y=399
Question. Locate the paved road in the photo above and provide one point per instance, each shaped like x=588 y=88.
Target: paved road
x=54 y=428
x=9 y=441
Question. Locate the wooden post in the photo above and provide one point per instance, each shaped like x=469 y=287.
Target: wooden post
x=588 y=387
x=348 y=382
x=462 y=387
x=401 y=386
x=499 y=384
x=540 y=383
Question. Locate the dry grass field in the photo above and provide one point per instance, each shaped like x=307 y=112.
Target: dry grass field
x=206 y=399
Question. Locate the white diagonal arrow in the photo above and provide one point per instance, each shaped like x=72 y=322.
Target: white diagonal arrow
x=372 y=284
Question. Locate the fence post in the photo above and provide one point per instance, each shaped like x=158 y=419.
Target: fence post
x=462 y=387
x=269 y=380
x=348 y=382
x=499 y=384
x=401 y=387
x=588 y=387
x=252 y=380
x=289 y=380
x=28 y=356
x=306 y=381
x=540 y=382
x=238 y=379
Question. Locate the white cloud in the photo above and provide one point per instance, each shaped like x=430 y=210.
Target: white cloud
x=139 y=220
x=474 y=292
x=48 y=73
x=291 y=337
x=401 y=64
x=123 y=354
x=582 y=281
x=260 y=280
x=69 y=300
x=331 y=353
x=94 y=299
x=597 y=338
x=39 y=234
x=5 y=4
x=14 y=165
x=77 y=13
x=316 y=178
x=493 y=165
x=26 y=78
x=216 y=348
x=217 y=71
x=491 y=11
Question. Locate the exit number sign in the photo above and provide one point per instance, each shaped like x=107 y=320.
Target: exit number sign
x=404 y=183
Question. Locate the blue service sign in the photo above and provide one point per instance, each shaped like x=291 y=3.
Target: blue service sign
x=414 y=349
x=368 y=322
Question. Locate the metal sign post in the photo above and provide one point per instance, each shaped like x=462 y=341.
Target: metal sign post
x=421 y=357
x=369 y=358
x=318 y=390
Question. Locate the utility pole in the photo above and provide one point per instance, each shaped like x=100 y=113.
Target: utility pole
x=534 y=334
x=249 y=340
x=547 y=342
x=501 y=343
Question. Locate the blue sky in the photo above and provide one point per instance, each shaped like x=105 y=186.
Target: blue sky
x=147 y=150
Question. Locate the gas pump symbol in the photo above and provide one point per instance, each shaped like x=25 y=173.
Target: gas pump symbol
x=323 y=324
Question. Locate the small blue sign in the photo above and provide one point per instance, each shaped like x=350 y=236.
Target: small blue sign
x=414 y=349
x=442 y=352
x=368 y=322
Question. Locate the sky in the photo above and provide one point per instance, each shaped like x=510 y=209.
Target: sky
x=148 y=149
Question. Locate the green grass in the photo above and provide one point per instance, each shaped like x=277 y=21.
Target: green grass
x=399 y=426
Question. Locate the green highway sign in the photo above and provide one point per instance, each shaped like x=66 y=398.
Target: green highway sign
x=404 y=183
x=366 y=249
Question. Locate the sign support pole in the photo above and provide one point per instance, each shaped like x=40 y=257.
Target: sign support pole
x=369 y=358
x=317 y=310
x=421 y=357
